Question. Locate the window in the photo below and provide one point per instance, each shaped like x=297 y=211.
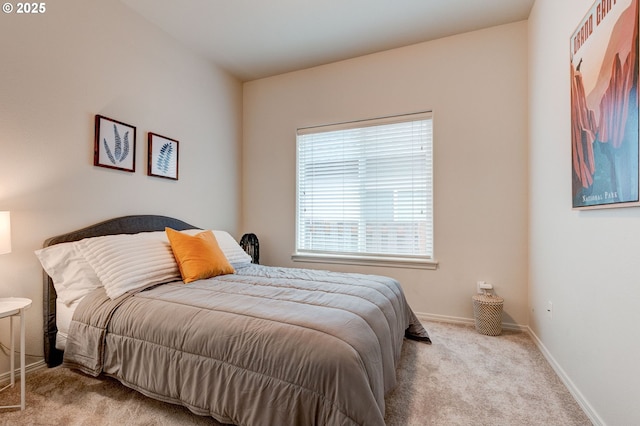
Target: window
x=364 y=192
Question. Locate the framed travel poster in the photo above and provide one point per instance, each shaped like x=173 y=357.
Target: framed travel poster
x=604 y=106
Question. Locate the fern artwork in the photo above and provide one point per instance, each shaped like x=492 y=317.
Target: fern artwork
x=120 y=149
x=114 y=145
x=163 y=157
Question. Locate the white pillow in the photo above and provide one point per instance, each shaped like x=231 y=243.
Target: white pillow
x=231 y=249
x=72 y=276
x=129 y=262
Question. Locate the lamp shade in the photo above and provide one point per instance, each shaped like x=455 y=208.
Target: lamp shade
x=5 y=232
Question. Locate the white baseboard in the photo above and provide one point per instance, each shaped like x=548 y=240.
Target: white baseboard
x=575 y=392
x=6 y=377
x=577 y=395
x=466 y=321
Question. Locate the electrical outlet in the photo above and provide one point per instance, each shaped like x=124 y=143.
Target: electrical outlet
x=550 y=309
x=481 y=286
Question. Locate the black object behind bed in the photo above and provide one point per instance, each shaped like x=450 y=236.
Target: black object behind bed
x=119 y=225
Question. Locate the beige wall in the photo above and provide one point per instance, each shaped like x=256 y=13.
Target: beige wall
x=476 y=85
x=585 y=262
x=57 y=71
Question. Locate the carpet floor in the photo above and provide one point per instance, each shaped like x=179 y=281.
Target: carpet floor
x=463 y=378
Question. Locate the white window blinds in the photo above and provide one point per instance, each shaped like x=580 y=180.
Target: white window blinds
x=365 y=188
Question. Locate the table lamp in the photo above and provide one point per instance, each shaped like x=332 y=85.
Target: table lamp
x=5 y=232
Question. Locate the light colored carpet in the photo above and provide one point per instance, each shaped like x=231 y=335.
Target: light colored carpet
x=464 y=378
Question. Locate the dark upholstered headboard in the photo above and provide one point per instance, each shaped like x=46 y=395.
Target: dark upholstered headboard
x=119 y=225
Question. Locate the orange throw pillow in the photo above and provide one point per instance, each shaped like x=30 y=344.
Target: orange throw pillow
x=198 y=256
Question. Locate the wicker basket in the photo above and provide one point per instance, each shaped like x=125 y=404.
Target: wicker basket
x=487 y=310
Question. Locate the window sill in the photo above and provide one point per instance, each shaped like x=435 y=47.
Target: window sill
x=367 y=261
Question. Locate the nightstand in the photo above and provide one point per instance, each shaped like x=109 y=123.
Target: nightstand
x=12 y=307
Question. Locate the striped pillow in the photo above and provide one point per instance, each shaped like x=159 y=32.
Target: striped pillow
x=130 y=262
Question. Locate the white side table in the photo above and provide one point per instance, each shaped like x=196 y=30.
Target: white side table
x=12 y=307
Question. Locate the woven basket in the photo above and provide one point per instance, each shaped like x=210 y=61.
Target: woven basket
x=487 y=310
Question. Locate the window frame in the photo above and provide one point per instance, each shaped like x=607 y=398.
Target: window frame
x=391 y=260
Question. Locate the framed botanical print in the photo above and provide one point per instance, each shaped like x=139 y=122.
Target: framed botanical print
x=163 y=157
x=114 y=144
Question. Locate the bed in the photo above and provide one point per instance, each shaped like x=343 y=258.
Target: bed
x=260 y=346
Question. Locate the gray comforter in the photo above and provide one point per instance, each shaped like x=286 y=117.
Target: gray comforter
x=264 y=346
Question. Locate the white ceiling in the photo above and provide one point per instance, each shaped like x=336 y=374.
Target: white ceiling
x=259 y=38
